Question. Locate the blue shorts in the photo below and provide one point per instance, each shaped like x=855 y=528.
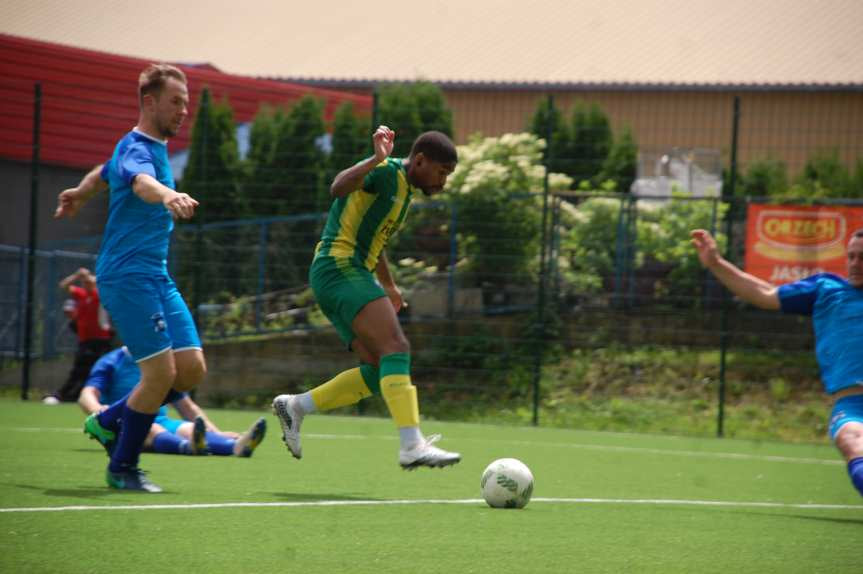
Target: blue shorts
x=846 y=410
x=149 y=314
x=171 y=425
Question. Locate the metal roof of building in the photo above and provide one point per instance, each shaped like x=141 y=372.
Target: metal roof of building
x=645 y=43
x=89 y=99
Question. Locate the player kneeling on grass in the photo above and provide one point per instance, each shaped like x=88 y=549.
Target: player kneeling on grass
x=371 y=202
x=836 y=307
x=116 y=374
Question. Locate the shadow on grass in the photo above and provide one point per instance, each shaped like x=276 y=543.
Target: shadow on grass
x=767 y=514
x=311 y=497
x=817 y=518
x=86 y=492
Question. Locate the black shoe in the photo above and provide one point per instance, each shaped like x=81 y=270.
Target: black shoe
x=131 y=479
x=198 y=443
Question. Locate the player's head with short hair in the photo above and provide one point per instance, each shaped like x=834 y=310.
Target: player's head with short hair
x=154 y=77
x=855 y=259
x=164 y=98
x=436 y=146
x=432 y=159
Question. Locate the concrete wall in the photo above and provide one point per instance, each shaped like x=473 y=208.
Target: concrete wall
x=15 y=216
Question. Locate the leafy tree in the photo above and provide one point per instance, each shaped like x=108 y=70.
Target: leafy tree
x=211 y=177
x=621 y=165
x=857 y=180
x=496 y=188
x=588 y=244
x=432 y=108
x=256 y=181
x=297 y=161
x=546 y=120
x=765 y=178
x=397 y=109
x=411 y=109
x=824 y=175
x=663 y=236
x=211 y=172
x=351 y=138
x=665 y=263
x=295 y=180
x=590 y=142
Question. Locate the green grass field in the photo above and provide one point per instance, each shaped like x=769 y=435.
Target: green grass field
x=603 y=502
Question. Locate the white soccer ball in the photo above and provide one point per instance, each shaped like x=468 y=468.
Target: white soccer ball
x=507 y=483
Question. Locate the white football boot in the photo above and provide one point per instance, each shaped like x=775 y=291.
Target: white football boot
x=425 y=454
x=290 y=416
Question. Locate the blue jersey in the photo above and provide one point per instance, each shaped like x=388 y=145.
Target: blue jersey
x=836 y=308
x=137 y=233
x=115 y=375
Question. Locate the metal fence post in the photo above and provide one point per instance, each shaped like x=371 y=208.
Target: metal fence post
x=543 y=269
x=453 y=259
x=197 y=277
x=49 y=337
x=31 y=256
x=729 y=226
x=262 y=272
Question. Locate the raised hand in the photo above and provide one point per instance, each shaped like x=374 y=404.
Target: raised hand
x=383 y=139
x=705 y=244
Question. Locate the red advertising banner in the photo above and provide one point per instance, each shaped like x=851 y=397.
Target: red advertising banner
x=787 y=243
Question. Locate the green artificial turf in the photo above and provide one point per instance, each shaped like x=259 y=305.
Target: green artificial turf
x=627 y=503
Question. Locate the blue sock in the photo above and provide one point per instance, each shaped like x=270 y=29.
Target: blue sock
x=134 y=428
x=172 y=397
x=218 y=444
x=169 y=443
x=110 y=418
x=855 y=469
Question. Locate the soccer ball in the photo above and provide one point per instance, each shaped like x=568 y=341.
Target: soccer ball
x=507 y=483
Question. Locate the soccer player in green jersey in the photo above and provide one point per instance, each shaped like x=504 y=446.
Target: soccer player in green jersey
x=371 y=201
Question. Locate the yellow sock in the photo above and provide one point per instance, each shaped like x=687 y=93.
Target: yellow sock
x=346 y=388
x=401 y=398
x=399 y=394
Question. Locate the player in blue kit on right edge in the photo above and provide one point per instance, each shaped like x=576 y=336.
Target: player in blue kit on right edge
x=836 y=307
x=145 y=306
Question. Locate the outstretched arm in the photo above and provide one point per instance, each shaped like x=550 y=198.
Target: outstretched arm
x=351 y=179
x=70 y=201
x=148 y=188
x=748 y=287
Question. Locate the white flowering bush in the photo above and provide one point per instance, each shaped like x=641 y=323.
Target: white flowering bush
x=594 y=232
x=497 y=192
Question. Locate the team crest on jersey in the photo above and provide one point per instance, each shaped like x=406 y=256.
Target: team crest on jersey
x=159 y=324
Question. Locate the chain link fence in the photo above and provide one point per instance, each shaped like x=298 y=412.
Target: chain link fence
x=583 y=305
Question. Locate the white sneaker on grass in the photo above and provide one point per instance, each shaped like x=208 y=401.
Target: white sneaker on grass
x=290 y=416
x=425 y=454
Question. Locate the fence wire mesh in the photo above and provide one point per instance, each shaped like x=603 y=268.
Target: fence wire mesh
x=519 y=298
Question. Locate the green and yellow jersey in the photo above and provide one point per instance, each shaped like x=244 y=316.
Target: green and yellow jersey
x=360 y=224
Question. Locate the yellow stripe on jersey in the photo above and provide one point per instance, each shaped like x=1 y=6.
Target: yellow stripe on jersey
x=358 y=203
x=390 y=224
